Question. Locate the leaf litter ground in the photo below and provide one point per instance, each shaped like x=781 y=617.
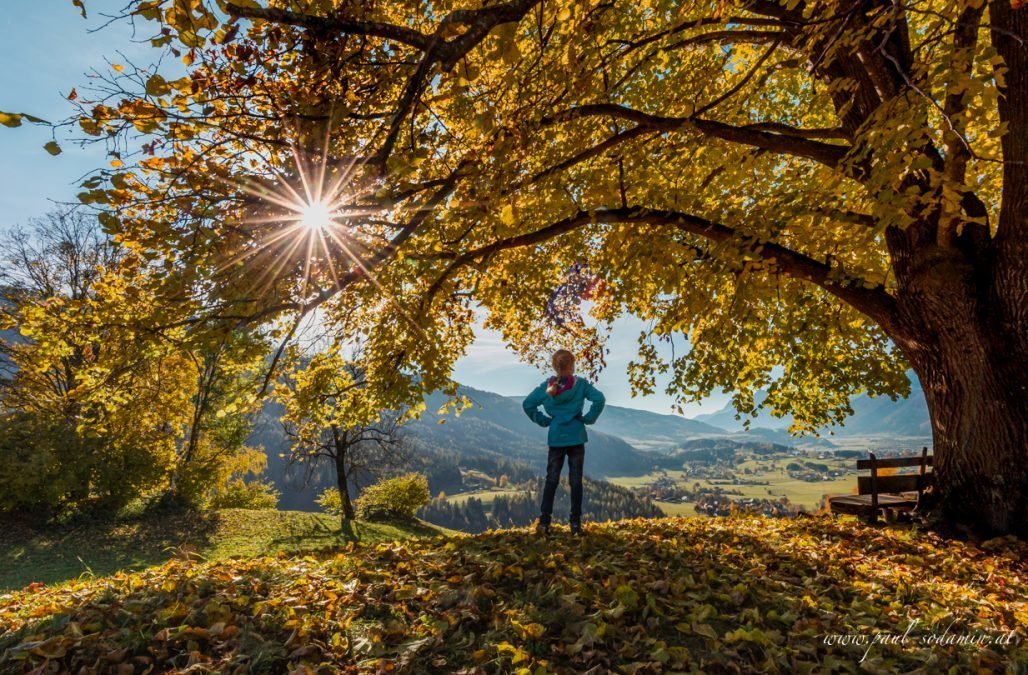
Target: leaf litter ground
x=740 y=594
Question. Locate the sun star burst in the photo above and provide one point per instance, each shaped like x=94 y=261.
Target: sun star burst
x=311 y=218
x=316 y=216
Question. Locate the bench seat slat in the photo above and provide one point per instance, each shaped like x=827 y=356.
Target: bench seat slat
x=860 y=505
x=893 y=462
x=883 y=500
x=886 y=495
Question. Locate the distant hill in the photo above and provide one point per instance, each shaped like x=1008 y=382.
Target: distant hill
x=756 y=447
x=649 y=430
x=725 y=418
x=871 y=415
x=881 y=415
x=779 y=436
x=715 y=449
x=500 y=426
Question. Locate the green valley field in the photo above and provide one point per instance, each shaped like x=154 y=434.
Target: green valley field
x=748 y=475
x=643 y=596
x=807 y=494
x=487 y=496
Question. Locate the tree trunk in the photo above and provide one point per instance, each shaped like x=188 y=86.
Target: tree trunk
x=344 y=497
x=975 y=380
x=342 y=480
x=980 y=433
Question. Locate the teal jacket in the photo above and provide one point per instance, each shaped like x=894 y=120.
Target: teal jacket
x=564 y=412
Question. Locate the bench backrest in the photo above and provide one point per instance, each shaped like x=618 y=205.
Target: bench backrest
x=875 y=484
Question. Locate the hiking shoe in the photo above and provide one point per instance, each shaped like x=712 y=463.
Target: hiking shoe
x=576 y=530
x=542 y=530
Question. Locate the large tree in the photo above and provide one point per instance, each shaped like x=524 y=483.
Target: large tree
x=93 y=405
x=818 y=194
x=88 y=412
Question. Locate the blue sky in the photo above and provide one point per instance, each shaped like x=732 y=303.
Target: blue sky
x=47 y=49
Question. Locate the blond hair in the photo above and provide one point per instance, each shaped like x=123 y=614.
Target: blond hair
x=563 y=362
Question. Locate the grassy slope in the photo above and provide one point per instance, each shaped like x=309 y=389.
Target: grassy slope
x=103 y=548
x=696 y=595
x=487 y=496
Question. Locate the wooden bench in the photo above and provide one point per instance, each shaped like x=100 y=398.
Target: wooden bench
x=886 y=495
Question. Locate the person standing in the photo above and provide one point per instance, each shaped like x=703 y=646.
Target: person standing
x=563 y=397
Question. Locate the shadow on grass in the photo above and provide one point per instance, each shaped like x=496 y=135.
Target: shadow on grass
x=98 y=546
x=320 y=532
x=306 y=531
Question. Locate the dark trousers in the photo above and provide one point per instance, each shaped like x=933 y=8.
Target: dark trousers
x=554 y=465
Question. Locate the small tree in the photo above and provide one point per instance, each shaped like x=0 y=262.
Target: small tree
x=332 y=418
x=212 y=458
x=330 y=502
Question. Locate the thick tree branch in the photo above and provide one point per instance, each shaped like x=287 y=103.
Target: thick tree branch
x=479 y=23
x=826 y=153
x=631 y=45
x=871 y=299
x=786 y=130
x=387 y=31
x=411 y=93
x=731 y=36
x=447 y=53
x=958 y=151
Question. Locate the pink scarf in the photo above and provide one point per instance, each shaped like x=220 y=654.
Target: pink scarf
x=559 y=386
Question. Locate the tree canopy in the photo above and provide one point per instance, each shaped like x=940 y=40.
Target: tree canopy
x=817 y=194
x=95 y=407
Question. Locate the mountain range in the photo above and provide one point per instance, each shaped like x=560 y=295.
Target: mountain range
x=623 y=442
x=877 y=415
x=497 y=424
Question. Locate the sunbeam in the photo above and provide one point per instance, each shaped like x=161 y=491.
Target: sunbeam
x=308 y=222
x=316 y=217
